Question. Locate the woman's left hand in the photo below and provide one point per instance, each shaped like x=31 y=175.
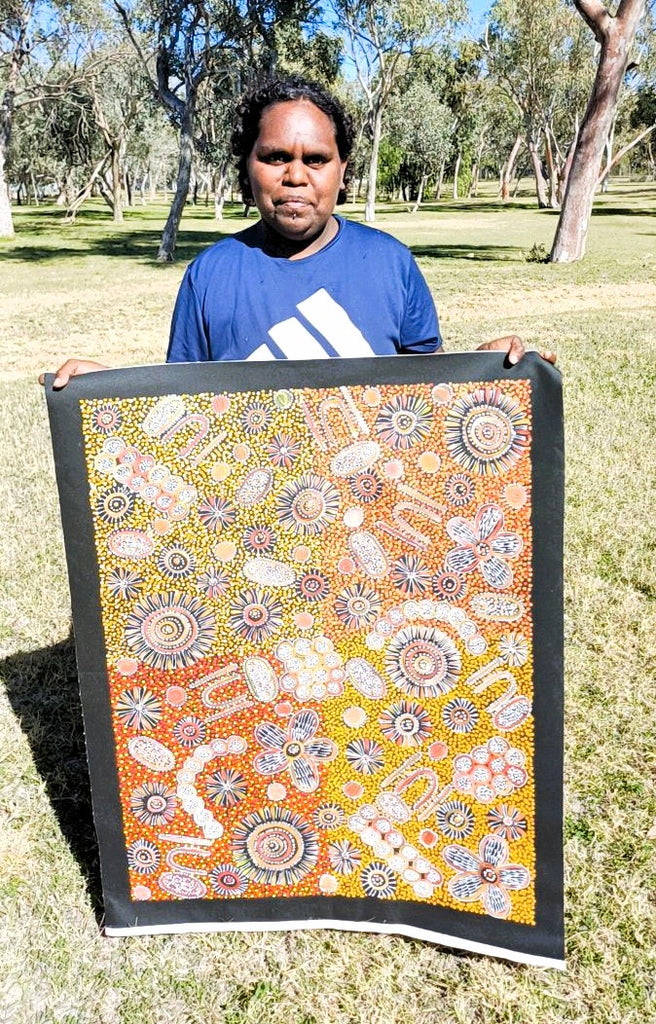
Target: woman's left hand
x=513 y=347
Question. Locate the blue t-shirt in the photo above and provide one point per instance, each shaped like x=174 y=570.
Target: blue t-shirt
x=361 y=295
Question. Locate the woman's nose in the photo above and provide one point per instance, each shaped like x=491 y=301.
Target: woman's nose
x=295 y=172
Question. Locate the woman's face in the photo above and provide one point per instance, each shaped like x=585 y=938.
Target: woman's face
x=295 y=170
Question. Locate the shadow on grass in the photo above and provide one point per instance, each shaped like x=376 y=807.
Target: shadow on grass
x=498 y=253
x=601 y=210
x=466 y=206
x=43 y=692
x=139 y=245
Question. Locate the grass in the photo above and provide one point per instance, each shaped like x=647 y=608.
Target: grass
x=93 y=289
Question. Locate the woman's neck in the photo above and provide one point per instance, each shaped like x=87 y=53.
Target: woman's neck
x=274 y=244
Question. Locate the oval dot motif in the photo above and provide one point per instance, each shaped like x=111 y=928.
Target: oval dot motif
x=185 y=887
x=269 y=572
x=130 y=544
x=368 y=553
x=497 y=607
x=163 y=415
x=355 y=458
x=365 y=678
x=151 y=753
x=260 y=678
x=255 y=486
x=512 y=715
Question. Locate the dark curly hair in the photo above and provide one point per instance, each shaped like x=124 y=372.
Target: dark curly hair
x=281 y=90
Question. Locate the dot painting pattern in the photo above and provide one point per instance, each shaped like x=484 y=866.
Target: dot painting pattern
x=316 y=607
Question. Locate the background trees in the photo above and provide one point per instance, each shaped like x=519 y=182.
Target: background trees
x=121 y=97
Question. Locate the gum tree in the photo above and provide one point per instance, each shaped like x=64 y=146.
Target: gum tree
x=381 y=38
x=615 y=35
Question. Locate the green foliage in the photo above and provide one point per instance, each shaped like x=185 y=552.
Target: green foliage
x=93 y=288
x=390 y=159
x=538 y=253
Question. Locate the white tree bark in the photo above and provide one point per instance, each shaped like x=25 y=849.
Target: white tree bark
x=6 y=220
x=370 y=205
x=166 y=251
x=615 y=35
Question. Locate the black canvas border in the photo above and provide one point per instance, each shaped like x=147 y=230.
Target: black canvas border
x=543 y=940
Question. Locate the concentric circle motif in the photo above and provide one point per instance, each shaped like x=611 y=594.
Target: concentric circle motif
x=313 y=586
x=455 y=819
x=449 y=585
x=153 y=804
x=422 y=661
x=190 y=731
x=307 y=505
x=143 y=856
x=404 y=421
x=366 y=486
x=460 y=715
x=275 y=846
x=106 y=419
x=486 y=431
x=177 y=562
x=328 y=815
x=170 y=631
x=115 y=504
x=255 y=417
x=357 y=606
x=255 y=615
x=459 y=490
x=378 y=880
x=227 y=880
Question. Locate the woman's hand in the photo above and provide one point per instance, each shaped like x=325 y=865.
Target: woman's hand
x=513 y=347
x=72 y=368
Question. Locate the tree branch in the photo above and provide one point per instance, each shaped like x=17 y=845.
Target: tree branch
x=622 y=152
x=596 y=16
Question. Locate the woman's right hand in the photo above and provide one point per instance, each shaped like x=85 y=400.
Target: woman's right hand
x=72 y=368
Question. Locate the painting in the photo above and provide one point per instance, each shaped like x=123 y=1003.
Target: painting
x=318 y=617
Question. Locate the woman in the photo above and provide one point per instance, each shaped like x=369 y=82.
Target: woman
x=301 y=283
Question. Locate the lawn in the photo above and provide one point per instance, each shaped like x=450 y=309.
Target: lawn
x=93 y=289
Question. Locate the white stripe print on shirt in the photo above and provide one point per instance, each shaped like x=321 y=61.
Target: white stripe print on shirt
x=329 y=319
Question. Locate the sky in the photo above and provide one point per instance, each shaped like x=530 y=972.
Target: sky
x=478 y=9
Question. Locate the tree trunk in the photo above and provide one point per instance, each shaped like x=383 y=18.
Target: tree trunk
x=85 y=192
x=370 y=205
x=540 y=183
x=420 y=193
x=473 y=186
x=509 y=169
x=616 y=35
x=117 y=184
x=563 y=177
x=35 y=188
x=166 y=251
x=127 y=181
x=456 y=172
x=6 y=221
x=219 y=186
x=6 y=115
x=440 y=181
x=608 y=147
x=553 y=172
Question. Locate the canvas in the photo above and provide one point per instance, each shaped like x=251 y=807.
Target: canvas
x=317 y=609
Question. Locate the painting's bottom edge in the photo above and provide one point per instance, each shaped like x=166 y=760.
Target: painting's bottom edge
x=455 y=942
